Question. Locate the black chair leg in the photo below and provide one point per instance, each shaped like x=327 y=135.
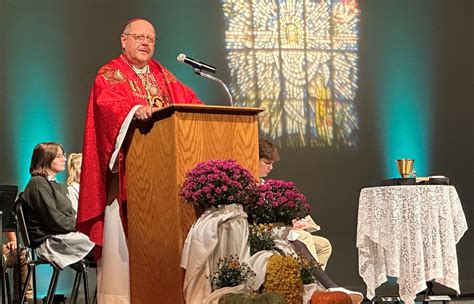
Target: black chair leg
x=6 y=283
x=94 y=300
x=56 y=280
x=75 y=288
x=3 y=287
x=81 y=274
x=52 y=286
x=86 y=287
x=25 y=285
x=35 y=296
x=6 y=288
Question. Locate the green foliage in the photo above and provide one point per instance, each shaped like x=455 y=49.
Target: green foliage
x=308 y=270
x=230 y=272
x=262 y=237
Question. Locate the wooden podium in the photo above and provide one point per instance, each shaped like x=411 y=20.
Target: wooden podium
x=158 y=155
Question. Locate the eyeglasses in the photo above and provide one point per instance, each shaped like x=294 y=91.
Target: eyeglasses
x=60 y=155
x=140 y=38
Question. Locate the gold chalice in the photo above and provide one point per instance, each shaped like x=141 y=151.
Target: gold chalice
x=405 y=167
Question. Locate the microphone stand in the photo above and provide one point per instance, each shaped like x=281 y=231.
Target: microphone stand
x=205 y=75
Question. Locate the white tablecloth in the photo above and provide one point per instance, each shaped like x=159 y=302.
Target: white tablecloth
x=409 y=232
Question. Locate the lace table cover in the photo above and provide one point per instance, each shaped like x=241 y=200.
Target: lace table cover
x=409 y=232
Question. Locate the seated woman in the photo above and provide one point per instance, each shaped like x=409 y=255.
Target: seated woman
x=74 y=162
x=48 y=212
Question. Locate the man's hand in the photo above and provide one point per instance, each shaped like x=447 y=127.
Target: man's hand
x=143 y=113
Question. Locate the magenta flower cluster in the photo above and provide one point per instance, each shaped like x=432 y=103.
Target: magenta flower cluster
x=217 y=182
x=277 y=201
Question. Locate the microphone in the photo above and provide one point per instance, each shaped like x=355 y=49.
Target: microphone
x=199 y=66
x=196 y=64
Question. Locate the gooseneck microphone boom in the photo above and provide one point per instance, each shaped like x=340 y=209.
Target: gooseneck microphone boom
x=196 y=64
x=198 y=68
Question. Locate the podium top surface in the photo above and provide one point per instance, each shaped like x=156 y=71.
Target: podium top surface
x=195 y=108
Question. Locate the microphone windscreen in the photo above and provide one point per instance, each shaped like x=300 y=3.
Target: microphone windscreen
x=181 y=57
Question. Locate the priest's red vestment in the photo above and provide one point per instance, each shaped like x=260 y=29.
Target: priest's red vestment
x=116 y=90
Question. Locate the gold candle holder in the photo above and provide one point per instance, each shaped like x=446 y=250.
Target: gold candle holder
x=405 y=167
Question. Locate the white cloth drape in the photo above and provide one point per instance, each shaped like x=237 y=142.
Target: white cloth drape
x=221 y=232
x=409 y=232
x=258 y=263
x=65 y=249
x=113 y=279
x=214 y=297
x=217 y=233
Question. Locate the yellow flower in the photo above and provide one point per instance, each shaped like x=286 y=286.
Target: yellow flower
x=283 y=277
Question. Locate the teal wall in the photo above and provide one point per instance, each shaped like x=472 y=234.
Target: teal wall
x=404 y=82
x=36 y=94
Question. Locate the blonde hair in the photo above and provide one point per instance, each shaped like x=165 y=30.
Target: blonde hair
x=73 y=162
x=43 y=155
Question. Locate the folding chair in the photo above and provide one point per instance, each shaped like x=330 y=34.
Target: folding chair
x=32 y=262
x=80 y=267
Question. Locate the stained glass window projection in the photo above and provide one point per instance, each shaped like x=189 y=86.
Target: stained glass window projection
x=298 y=59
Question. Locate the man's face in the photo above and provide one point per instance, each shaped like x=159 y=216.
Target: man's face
x=139 y=52
x=265 y=166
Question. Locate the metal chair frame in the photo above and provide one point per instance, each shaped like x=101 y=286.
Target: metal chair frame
x=5 y=283
x=32 y=262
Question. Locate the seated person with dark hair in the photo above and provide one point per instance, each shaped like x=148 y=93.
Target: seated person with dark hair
x=48 y=212
x=311 y=247
x=267 y=155
x=319 y=246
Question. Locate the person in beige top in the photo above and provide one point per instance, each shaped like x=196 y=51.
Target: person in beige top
x=307 y=244
x=319 y=246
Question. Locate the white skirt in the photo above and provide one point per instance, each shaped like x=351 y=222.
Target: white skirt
x=65 y=249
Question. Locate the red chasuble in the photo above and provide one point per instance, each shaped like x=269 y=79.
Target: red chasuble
x=116 y=90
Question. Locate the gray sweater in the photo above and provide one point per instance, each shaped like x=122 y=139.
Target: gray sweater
x=47 y=209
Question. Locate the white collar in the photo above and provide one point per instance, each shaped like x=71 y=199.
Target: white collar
x=143 y=70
